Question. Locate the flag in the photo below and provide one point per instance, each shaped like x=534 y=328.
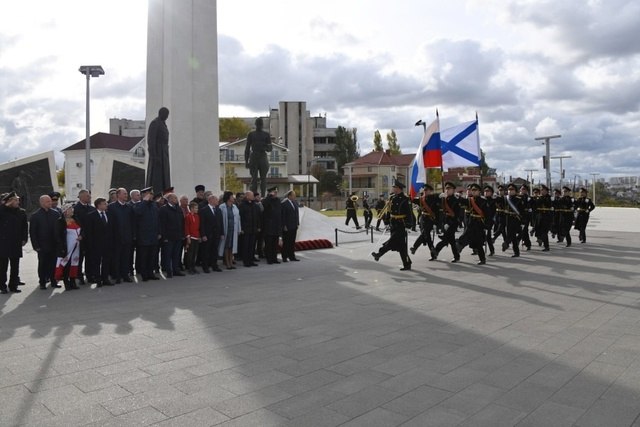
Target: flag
x=427 y=156
x=461 y=145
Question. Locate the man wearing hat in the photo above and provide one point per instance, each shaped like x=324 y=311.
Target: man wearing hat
x=55 y=201
x=584 y=206
x=565 y=207
x=450 y=207
x=477 y=222
x=352 y=210
x=147 y=228
x=200 y=199
x=514 y=208
x=379 y=207
x=13 y=236
x=500 y=227
x=526 y=215
x=555 y=225
x=121 y=261
x=400 y=218
x=429 y=205
x=543 y=209
x=490 y=218
x=368 y=215
x=272 y=224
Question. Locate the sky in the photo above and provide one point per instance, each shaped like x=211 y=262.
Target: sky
x=528 y=68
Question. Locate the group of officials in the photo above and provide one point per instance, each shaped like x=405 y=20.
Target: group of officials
x=138 y=232
x=513 y=214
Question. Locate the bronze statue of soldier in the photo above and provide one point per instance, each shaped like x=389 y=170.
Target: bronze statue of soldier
x=256 y=158
x=158 y=170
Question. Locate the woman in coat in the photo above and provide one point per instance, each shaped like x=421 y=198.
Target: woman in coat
x=230 y=229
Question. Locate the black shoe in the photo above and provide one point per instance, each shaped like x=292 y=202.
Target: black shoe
x=481 y=262
x=455 y=260
x=127 y=279
x=474 y=253
x=145 y=279
x=375 y=255
x=216 y=268
x=178 y=273
x=545 y=250
x=515 y=255
x=273 y=262
x=434 y=255
x=81 y=280
x=118 y=281
x=55 y=285
x=406 y=268
x=253 y=264
x=107 y=283
x=412 y=250
x=492 y=253
x=169 y=275
x=153 y=277
x=206 y=270
x=21 y=283
x=294 y=259
x=3 y=291
x=248 y=265
x=568 y=244
x=505 y=246
x=43 y=286
x=284 y=260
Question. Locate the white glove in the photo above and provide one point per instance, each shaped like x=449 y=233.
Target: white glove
x=446 y=227
x=443 y=195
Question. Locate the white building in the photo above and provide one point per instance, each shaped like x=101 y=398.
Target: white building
x=103 y=146
x=126 y=127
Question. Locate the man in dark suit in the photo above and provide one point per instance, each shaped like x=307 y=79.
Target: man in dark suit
x=147 y=226
x=123 y=212
x=100 y=234
x=210 y=231
x=80 y=211
x=250 y=220
x=13 y=236
x=290 y=223
x=272 y=224
x=172 y=232
x=42 y=233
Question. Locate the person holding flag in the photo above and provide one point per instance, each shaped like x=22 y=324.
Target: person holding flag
x=429 y=205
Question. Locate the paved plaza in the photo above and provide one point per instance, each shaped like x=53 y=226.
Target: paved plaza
x=548 y=339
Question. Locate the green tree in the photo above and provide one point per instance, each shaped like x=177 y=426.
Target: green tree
x=230 y=181
x=377 y=141
x=392 y=143
x=233 y=128
x=329 y=183
x=346 y=149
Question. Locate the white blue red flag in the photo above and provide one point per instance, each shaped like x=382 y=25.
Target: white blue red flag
x=427 y=156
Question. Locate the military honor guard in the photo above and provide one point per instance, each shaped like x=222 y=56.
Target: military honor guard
x=352 y=210
x=500 y=226
x=450 y=207
x=368 y=215
x=400 y=219
x=429 y=205
x=476 y=207
x=583 y=206
x=543 y=208
x=490 y=219
x=566 y=210
x=514 y=208
x=527 y=214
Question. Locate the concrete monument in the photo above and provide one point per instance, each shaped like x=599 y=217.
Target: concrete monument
x=30 y=177
x=182 y=75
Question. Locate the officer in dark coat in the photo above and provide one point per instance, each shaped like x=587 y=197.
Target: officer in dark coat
x=352 y=210
x=450 y=219
x=514 y=208
x=125 y=222
x=42 y=232
x=490 y=218
x=368 y=215
x=584 y=206
x=476 y=206
x=565 y=209
x=544 y=216
x=429 y=205
x=290 y=223
x=272 y=223
x=80 y=211
x=100 y=234
x=159 y=172
x=210 y=231
x=172 y=232
x=147 y=234
x=13 y=236
x=255 y=156
x=500 y=227
x=527 y=214
x=400 y=219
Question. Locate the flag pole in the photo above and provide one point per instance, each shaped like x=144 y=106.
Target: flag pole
x=441 y=162
x=479 y=151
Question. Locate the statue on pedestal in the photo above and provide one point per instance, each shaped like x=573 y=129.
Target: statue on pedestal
x=256 y=158
x=158 y=170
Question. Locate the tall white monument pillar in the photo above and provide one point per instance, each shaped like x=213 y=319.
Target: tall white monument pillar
x=182 y=75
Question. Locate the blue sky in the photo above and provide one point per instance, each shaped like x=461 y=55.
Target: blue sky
x=529 y=68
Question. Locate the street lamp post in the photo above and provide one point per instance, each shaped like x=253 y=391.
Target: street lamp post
x=530 y=175
x=547 y=160
x=594 y=186
x=89 y=71
x=561 y=170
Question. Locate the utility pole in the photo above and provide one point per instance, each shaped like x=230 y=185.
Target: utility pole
x=530 y=175
x=594 y=186
x=561 y=170
x=547 y=160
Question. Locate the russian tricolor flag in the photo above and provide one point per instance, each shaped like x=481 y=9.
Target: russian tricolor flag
x=429 y=155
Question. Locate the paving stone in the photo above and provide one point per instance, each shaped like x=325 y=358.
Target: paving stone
x=241 y=405
x=551 y=414
x=378 y=417
x=322 y=417
x=363 y=401
x=495 y=416
x=417 y=401
x=203 y=417
x=259 y=418
x=304 y=403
